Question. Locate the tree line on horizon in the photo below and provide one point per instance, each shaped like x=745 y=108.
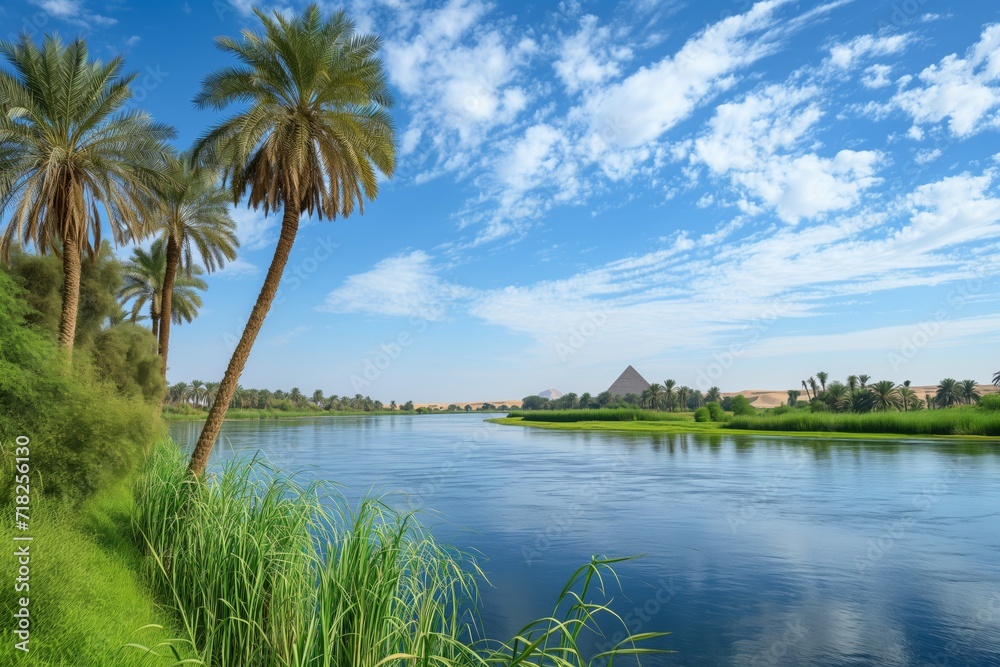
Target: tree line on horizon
x=857 y=394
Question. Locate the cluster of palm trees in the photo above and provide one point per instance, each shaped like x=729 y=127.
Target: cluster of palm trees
x=668 y=396
x=857 y=394
x=311 y=135
x=200 y=394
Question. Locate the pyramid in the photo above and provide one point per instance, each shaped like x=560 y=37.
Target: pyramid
x=629 y=382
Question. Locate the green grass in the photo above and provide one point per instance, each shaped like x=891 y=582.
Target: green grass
x=949 y=422
x=262 y=572
x=88 y=598
x=609 y=415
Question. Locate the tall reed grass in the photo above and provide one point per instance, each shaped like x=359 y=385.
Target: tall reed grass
x=265 y=572
x=606 y=415
x=954 y=421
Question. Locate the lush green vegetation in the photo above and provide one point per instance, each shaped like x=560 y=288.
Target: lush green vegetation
x=303 y=581
x=198 y=396
x=667 y=396
x=89 y=422
x=925 y=422
x=89 y=599
x=611 y=414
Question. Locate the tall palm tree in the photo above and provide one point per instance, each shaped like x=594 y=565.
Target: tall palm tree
x=969 y=391
x=814 y=386
x=669 y=396
x=312 y=133
x=822 y=376
x=142 y=284
x=947 y=393
x=656 y=391
x=996 y=379
x=714 y=395
x=806 y=387
x=885 y=396
x=211 y=391
x=317 y=397
x=195 y=218
x=72 y=158
x=859 y=400
x=863 y=381
x=793 y=396
x=179 y=392
x=852 y=382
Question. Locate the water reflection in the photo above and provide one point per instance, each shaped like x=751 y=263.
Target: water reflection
x=758 y=550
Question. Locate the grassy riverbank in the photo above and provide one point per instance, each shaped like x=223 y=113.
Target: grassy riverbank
x=955 y=423
x=87 y=596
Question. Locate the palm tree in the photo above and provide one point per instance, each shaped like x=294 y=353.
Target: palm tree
x=947 y=393
x=195 y=217
x=197 y=391
x=863 y=381
x=793 y=396
x=996 y=379
x=884 y=395
x=969 y=391
x=211 y=392
x=72 y=158
x=668 y=393
x=312 y=133
x=656 y=392
x=822 y=375
x=647 y=398
x=852 y=382
x=392 y=405
x=142 y=283
x=317 y=397
x=814 y=386
x=908 y=397
x=806 y=387
x=714 y=395
x=859 y=400
x=835 y=395
x=178 y=392
x=683 y=394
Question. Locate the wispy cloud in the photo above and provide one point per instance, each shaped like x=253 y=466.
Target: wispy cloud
x=74 y=11
x=403 y=286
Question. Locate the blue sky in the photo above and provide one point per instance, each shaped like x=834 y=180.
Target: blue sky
x=722 y=193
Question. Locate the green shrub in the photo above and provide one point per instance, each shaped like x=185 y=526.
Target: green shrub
x=741 y=406
x=952 y=421
x=780 y=410
x=702 y=415
x=716 y=411
x=990 y=402
x=83 y=433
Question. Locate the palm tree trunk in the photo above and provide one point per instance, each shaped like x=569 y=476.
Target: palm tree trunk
x=167 y=299
x=154 y=317
x=70 y=295
x=210 y=432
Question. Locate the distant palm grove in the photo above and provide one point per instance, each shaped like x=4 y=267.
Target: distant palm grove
x=857 y=394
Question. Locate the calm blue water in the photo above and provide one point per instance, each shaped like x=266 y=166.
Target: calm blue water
x=758 y=550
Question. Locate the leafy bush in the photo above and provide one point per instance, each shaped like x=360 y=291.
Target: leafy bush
x=716 y=411
x=125 y=355
x=702 y=415
x=83 y=433
x=780 y=410
x=990 y=402
x=741 y=406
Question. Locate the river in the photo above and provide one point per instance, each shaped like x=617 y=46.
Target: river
x=755 y=550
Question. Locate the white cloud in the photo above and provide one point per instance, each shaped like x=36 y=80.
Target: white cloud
x=460 y=83
x=876 y=76
x=133 y=40
x=962 y=91
x=790 y=273
x=283 y=339
x=253 y=229
x=405 y=286
x=927 y=155
x=589 y=56
x=755 y=143
x=73 y=11
x=646 y=104
x=847 y=55
x=238 y=268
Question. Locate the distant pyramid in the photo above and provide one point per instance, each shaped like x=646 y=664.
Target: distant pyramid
x=552 y=394
x=629 y=382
